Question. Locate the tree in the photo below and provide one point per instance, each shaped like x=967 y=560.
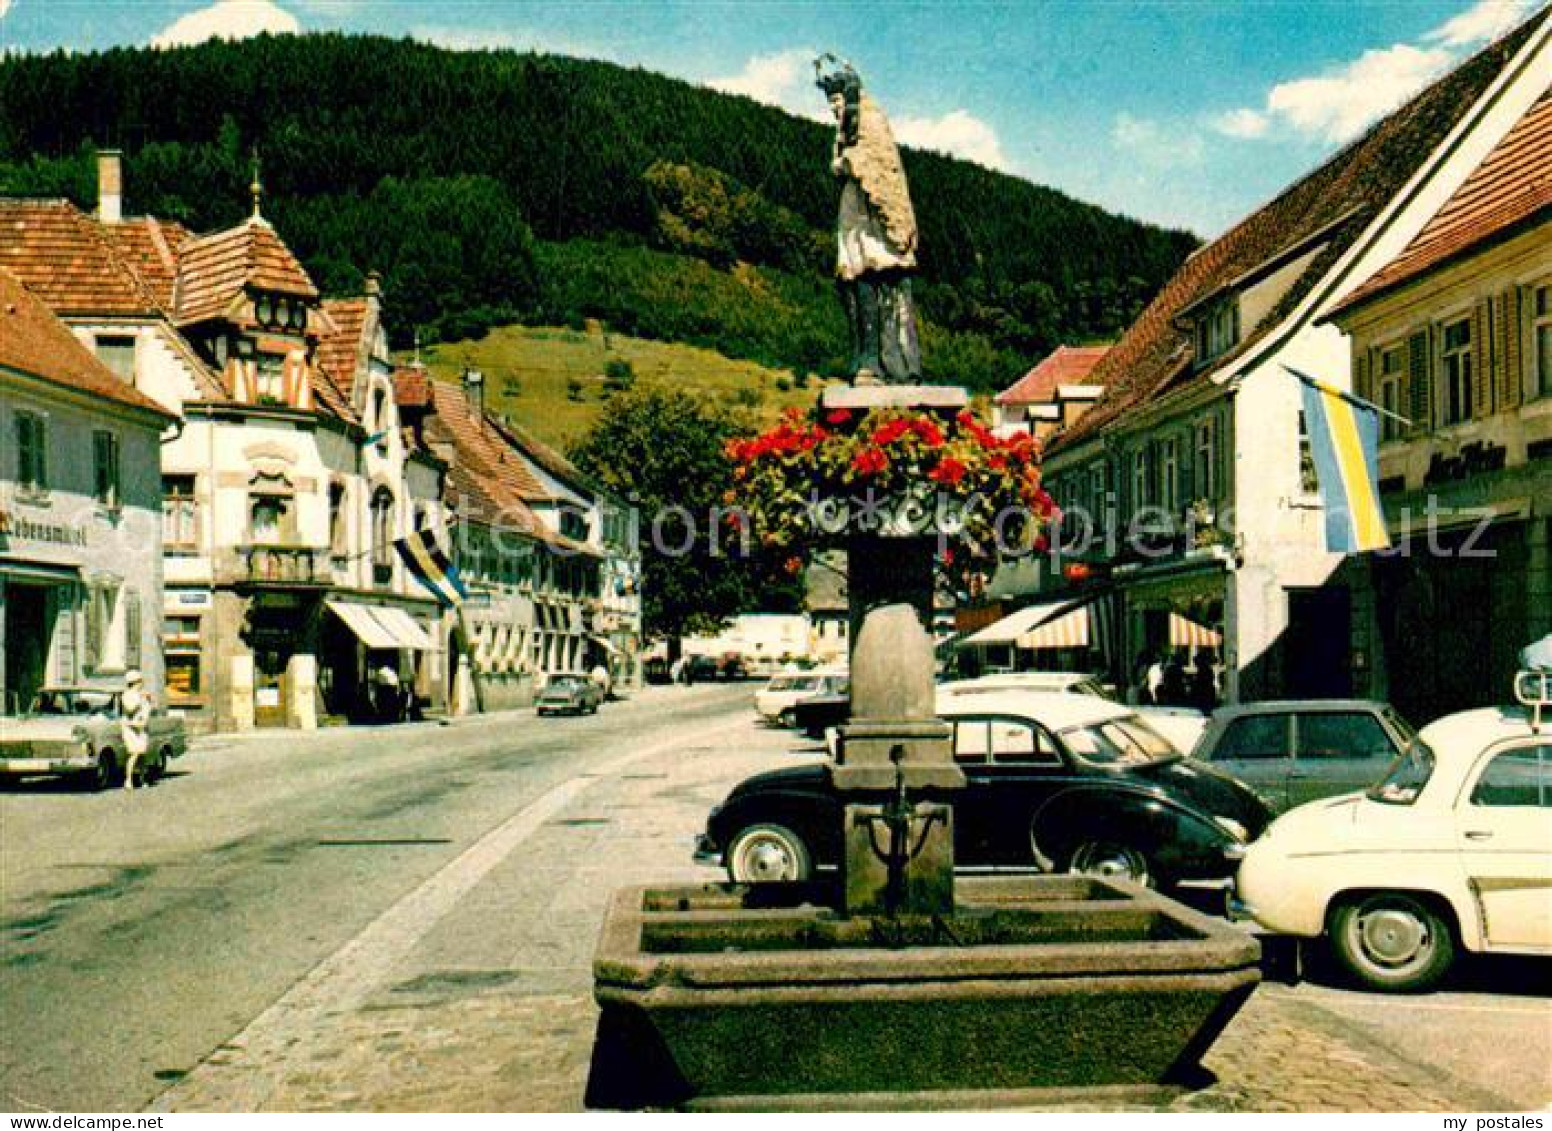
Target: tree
x=662 y=449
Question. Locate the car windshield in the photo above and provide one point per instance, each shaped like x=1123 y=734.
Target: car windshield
x=1405 y=729
x=1090 y=687
x=570 y=683
x=72 y=702
x=1118 y=742
x=1407 y=776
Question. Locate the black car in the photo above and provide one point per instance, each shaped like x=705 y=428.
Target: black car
x=818 y=713
x=1056 y=782
x=1295 y=750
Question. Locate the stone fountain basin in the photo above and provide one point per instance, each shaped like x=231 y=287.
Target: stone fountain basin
x=722 y=995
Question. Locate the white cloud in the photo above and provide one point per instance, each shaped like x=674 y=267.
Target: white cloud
x=5 y=6
x=1156 y=145
x=782 y=78
x=228 y=19
x=1242 y=123
x=1338 y=106
x=958 y=133
x=1483 y=21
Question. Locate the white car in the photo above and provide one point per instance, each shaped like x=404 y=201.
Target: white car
x=1452 y=848
x=774 y=701
x=1183 y=726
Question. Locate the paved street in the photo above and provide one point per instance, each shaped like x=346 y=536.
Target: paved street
x=403 y=919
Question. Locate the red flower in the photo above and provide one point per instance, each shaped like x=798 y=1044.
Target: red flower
x=928 y=430
x=949 y=470
x=870 y=461
x=793 y=565
x=891 y=431
x=838 y=416
x=997 y=463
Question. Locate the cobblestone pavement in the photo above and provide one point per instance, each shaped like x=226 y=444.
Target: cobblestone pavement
x=491 y=1009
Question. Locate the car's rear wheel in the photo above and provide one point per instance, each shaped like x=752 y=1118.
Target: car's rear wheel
x=764 y=854
x=107 y=772
x=1392 y=941
x=1111 y=860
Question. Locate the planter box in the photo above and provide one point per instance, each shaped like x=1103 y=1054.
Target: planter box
x=764 y=997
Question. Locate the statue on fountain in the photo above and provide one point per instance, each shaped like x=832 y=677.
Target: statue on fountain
x=875 y=233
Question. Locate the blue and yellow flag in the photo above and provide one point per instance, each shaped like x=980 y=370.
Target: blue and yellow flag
x=424 y=558
x=1344 y=437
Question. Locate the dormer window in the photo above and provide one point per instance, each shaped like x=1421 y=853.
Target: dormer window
x=264 y=310
x=1217 y=330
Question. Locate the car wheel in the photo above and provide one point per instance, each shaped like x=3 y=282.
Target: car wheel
x=787 y=718
x=1111 y=861
x=157 y=770
x=106 y=775
x=1392 y=941
x=767 y=854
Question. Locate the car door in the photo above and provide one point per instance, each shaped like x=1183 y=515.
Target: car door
x=1011 y=765
x=1504 y=834
x=1257 y=750
x=1337 y=752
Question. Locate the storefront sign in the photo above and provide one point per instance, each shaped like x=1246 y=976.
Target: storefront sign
x=15 y=526
x=188 y=599
x=1472 y=458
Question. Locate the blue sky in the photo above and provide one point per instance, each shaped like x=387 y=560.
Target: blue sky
x=1183 y=112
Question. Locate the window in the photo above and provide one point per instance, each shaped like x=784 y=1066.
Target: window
x=1457 y=371
x=971 y=741
x=31 y=451
x=1142 y=494
x=104 y=629
x=1309 y=480
x=117 y=352
x=382 y=536
x=271 y=388
x=1391 y=369
x=1169 y=475
x=1541 y=340
x=1097 y=494
x=266 y=519
x=1019 y=743
x=337 y=519
x=1218 y=331
x=1253 y=737
x=1204 y=473
x=180 y=513
x=182 y=674
x=1521 y=778
x=105 y=468
x=132 y=629
x=1343 y=735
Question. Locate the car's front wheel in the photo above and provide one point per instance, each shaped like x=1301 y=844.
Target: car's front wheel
x=1392 y=941
x=764 y=854
x=1112 y=861
x=788 y=718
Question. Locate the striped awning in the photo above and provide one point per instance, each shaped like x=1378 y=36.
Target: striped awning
x=382 y=627
x=1186 y=633
x=1038 y=626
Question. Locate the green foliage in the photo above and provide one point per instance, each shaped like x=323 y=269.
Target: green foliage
x=574 y=389
x=667 y=209
x=619 y=376
x=665 y=451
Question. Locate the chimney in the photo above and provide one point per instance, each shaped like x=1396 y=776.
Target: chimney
x=110 y=186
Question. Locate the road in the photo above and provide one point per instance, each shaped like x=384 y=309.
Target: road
x=403 y=919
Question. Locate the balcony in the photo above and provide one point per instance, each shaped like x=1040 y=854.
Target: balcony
x=277 y=567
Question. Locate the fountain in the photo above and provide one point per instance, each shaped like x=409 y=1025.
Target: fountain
x=892 y=986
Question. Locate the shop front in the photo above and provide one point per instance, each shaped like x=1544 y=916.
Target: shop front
x=37 y=631
x=379 y=661
x=1175 y=633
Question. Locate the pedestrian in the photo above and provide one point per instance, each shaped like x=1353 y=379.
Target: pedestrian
x=600 y=676
x=1204 y=682
x=388 y=702
x=1154 y=681
x=1174 y=691
x=677 y=670
x=134 y=723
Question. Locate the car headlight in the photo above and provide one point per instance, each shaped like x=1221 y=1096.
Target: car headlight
x=1236 y=830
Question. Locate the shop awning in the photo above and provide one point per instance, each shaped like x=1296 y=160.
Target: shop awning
x=379 y=626
x=1186 y=633
x=605 y=644
x=1038 y=626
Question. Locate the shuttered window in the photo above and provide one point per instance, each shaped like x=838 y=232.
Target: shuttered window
x=1456 y=365
x=105 y=468
x=1541 y=340
x=31 y=451
x=1420 y=381
x=1392 y=377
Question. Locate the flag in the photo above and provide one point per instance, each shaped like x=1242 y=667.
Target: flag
x=423 y=557
x=1344 y=437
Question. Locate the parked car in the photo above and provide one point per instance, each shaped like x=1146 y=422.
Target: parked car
x=1297 y=750
x=775 y=702
x=819 y=713
x=1057 y=782
x=1451 y=849
x=76 y=730
x=569 y=695
x=1183 y=726
x=656 y=670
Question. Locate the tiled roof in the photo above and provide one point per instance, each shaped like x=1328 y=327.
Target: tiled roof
x=33 y=340
x=1336 y=201
x=65 y=259
x=1066 y=365
x=1512 y=186
x=546 y=457
x=412 y=387
x=484 y=467
x=214 y=270
x=150 y=246
x=341 y=350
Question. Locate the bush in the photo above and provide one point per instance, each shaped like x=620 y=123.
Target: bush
x=618 y=375
x=574 y=389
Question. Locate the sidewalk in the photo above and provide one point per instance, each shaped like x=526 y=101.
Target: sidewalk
x=493 y=1010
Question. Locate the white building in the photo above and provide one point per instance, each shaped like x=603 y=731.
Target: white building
x=80 y=511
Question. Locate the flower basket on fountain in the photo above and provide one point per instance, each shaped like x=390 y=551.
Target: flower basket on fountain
x=816 y=478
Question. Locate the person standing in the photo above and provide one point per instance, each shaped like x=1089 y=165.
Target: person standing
x=389 y=704
x=134 y=724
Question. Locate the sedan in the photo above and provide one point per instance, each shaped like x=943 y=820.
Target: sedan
x=1056 y=782
x=569 y=695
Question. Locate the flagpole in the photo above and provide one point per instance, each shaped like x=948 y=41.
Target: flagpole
x=1346 y=396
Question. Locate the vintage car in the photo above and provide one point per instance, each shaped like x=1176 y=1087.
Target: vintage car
x=1452 y=848
x=569 y=695
x=1183 y=726
x=1295 y=750
x=775 y=702
x=75 y=730
x=1056 y=782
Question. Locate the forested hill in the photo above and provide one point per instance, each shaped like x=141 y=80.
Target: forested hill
x=495 y=185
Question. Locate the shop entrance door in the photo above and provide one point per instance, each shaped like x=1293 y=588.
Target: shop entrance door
x=28 y=627
x=1318 y=649
x=270 y=691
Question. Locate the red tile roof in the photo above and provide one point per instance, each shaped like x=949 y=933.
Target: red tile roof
x=412 y=387
x=150 y=246
x=1067 y=365
x=1335 y=202
x=1511 y=187
x=34 y=341
x=215 y=270
x=65 y=259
